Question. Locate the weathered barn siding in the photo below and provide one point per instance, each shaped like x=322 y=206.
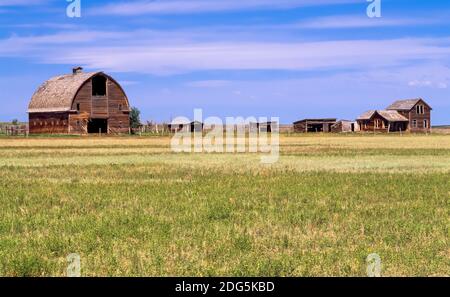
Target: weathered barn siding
x=48 y=123
x=118 y=109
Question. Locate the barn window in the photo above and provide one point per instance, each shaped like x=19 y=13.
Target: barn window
x=78 y=106
x=425 y=123
x=99 y=86
x=414 y=123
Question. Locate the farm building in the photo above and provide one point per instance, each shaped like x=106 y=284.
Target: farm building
x=79 y=103
x=263 y=127
x=314 y=125
x=343 y=126
x=180 y=126
x=413 y=115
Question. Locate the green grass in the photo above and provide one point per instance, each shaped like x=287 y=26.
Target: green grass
x=130 y=207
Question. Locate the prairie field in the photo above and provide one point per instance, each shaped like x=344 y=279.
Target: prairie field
x=129 y=206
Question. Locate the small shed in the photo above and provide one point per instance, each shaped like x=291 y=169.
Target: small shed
x=343 y=126
x=263 y=127
x=186 y=126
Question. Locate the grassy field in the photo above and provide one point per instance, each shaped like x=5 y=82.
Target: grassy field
x=130 y=207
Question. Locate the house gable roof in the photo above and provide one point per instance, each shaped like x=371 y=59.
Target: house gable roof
x=367 y=115
x=405 y=105
x=389 y=115
x=392 y=116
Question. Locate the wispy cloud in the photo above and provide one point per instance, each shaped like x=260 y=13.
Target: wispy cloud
x=209 y=83
x=428 y=84
x=124 y=52
x=357 y=21
x=43 y=25
x=200 y=6
x=22 y=2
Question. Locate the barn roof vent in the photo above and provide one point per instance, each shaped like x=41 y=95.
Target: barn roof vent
x=77 y=70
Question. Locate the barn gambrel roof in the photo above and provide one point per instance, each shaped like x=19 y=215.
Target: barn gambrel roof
x=58 y=93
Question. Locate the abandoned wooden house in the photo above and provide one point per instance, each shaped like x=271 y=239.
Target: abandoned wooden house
x=412 y=115
x=314 y=125
x=79 y=103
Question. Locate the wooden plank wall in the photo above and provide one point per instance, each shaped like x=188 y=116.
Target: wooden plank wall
x=118 y=121
x=48 y=123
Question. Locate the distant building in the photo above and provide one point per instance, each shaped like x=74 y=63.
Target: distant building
x=314 y=125
x=343 y=126
x=267 y=127
x=182 y=126
x=412 y=115
x=79 y=103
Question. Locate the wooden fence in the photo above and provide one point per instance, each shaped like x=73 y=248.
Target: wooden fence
x=14 y=130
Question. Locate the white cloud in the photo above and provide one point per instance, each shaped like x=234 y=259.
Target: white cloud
x=208 y=83
x=357 y=21
x=164 y=53
x=199 y=6
x=184 y=58
x=427 y=83
x=22 y=2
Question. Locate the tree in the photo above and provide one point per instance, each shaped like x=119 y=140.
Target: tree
x=135 y=118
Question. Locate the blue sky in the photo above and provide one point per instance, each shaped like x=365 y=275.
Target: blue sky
x=291 y=59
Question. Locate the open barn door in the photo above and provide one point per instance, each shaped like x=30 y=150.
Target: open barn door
x=98 y=126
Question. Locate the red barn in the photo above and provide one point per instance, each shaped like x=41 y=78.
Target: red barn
x=79 y=103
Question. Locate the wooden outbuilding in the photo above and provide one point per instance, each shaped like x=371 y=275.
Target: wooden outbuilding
x=314 y=125
x=343 y=126
x=185 y=126
x=79 y=103
x=267 y=127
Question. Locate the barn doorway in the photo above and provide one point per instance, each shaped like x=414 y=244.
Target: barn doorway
x=98 y=126
x=99 y=86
